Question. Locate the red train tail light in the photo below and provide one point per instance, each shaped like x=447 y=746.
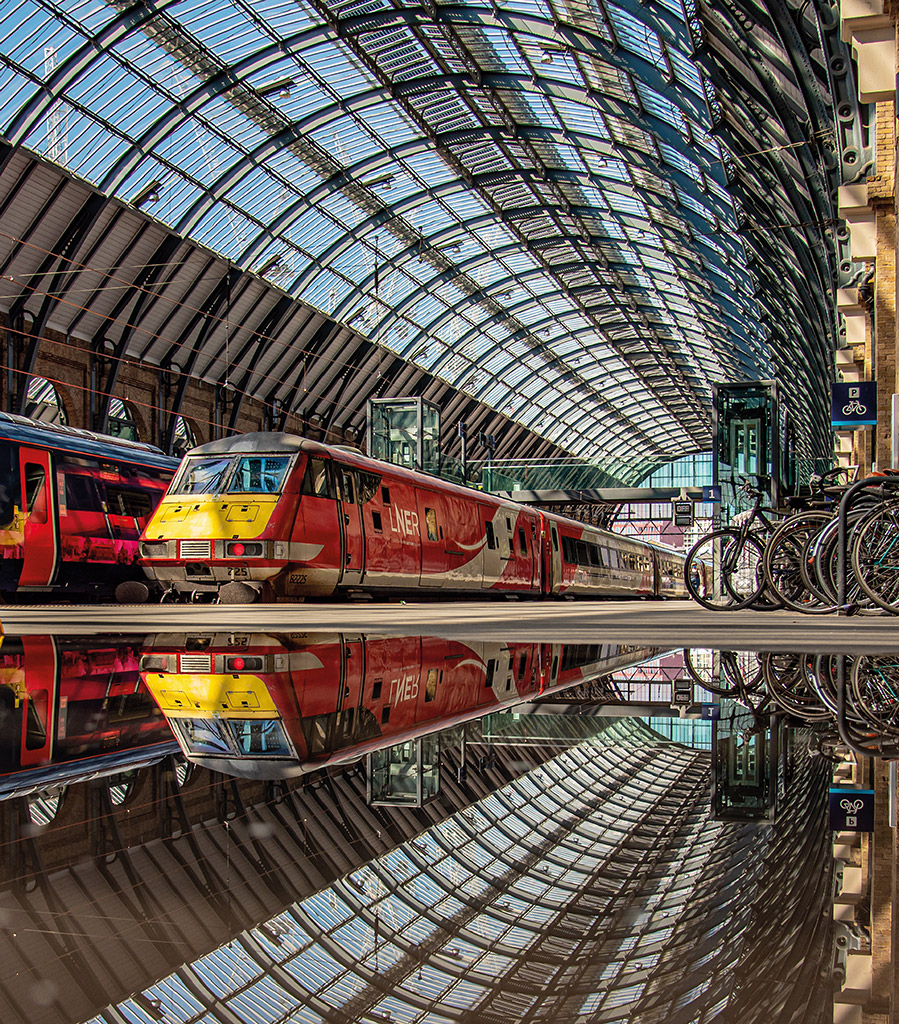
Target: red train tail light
x=244 y=663
x=238 y=549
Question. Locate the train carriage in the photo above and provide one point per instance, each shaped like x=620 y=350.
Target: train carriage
x=73 y=709
x=72 y=507
x=274 y=516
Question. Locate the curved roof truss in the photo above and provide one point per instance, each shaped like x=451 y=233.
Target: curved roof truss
x=583 y=213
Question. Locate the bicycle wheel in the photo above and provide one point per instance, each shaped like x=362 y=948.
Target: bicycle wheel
x=786 y=676
x=875 y=556
x=724 y=673
x=723 y=570
x=820 y=565
x=875 y=691
x=784 y=554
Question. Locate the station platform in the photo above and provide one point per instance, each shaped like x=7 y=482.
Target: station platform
x=664 y=624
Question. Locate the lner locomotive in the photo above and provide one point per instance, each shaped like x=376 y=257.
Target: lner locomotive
x=277 y=517
x=270 y=706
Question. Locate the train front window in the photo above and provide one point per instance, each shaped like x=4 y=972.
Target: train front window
x=259 y=474
x=202 y=475
x=260 y=737
x=202 y=735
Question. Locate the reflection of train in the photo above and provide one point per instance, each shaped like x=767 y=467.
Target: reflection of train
x=72 y=506
x=273 y=706
x=279 y=517
x=69 y=709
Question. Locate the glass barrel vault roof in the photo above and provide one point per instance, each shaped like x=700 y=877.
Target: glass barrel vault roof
x=524 y=197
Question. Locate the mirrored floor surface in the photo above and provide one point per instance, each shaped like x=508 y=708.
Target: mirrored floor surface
x=261 y=827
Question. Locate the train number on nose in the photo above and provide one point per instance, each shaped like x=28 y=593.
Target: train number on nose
x=239 y=572
x=298 y=577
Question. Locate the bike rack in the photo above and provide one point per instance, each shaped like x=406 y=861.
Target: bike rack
x=868 y=484
x=879 y=746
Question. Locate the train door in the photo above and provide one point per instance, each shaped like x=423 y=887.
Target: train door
x=534 y=556
x=39 y=703
x=495 y=557
x=351 y=722
x=553 y=560
x=40 y=530
x=433 y=546
x=351 y=527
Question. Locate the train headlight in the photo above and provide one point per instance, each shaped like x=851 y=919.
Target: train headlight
x=154 y=663
x=154 y=549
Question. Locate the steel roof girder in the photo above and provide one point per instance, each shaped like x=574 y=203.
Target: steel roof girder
x=729 y=307
x=62 y=77
x=444 y=238
x=580 y=39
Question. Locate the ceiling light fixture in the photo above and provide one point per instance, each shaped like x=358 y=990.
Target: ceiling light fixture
x=148 y=194
x=282 y=87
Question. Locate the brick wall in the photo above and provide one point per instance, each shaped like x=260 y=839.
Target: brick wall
x=147 y=391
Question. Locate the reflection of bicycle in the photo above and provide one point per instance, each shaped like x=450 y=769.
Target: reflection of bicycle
x=853 y=408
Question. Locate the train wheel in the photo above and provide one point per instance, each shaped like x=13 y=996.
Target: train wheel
x=236 y=592
x=132 y=592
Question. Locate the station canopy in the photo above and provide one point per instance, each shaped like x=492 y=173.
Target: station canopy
x=581 y=213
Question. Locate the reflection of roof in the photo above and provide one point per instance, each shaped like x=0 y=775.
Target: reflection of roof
x=529 y=200
x=595 y=884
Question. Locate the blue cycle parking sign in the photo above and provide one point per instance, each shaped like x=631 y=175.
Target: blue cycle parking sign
x=851 y=810
x=854 y=405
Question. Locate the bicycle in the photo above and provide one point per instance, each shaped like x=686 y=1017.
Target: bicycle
x=725 y=568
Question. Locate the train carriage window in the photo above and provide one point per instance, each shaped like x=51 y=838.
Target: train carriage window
x=568 y=550
x=81 y=494
x=259 y=474
x=431 y=685
x=201 y=475
x=593 y=554
x=128 y=501
x=431 y=523
x=367 y=485
x=35 y=487
x=555 y=538
x=582 y=553
x=522 y=540
x=37 y=719
x=10 y=484
x=376 y=521
x=385 y=495
x=491 y=671
x=491 y=536
x=347 y=482
x=317 y=481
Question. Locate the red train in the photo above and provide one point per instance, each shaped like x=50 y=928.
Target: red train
x=72 y=709
x=278 y=517
x=72 y=507
x=274 y=706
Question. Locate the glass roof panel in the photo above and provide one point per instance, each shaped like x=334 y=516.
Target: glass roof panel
x=617 y=202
